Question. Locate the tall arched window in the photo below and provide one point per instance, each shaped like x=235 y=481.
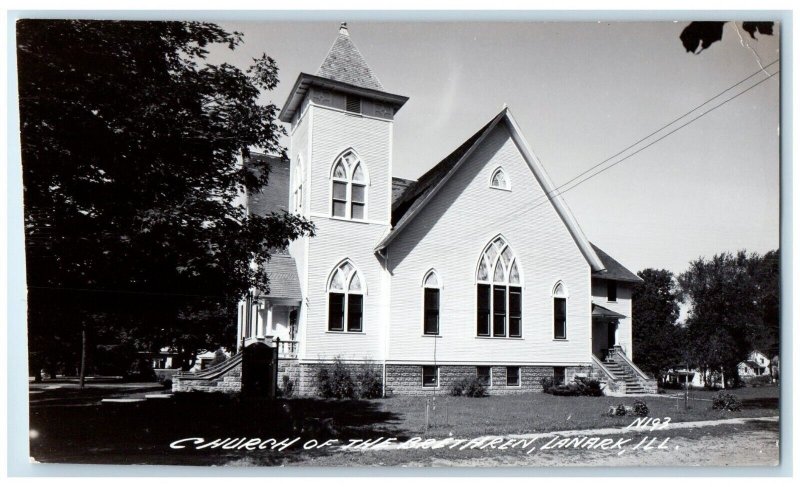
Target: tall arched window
x=431 y=290
x=349 y=187
x=345 y=299
x=499 y=292
x=559 y=312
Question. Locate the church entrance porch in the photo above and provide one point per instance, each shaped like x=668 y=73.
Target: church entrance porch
x=605 y=325
x=268 y=320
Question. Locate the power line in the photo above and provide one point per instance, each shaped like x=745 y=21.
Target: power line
x=548 y=196
x=655 y=141
x=665 y=126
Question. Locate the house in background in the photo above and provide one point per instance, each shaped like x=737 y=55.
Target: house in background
x=477 y=268
x=757 y=364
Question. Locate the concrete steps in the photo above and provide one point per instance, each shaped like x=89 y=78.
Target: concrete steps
x=623 y=371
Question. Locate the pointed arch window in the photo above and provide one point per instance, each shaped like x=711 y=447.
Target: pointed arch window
x=345 y=299
x=499 y=292
x=298 y=186
x=431 y=296
x=499 y=179
x=559 y=312
x=349 y=187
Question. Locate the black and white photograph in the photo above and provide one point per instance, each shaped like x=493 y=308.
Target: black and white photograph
x=373 y=242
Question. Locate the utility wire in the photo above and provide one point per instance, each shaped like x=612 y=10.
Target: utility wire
x=665 y=126
x=651 y=143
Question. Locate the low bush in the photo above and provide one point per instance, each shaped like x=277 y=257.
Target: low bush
x=219 y=358
x=547 y=384
x=469 y=386
x=287 y=389
x=726 y=401
x=336 y=381
x=369 y=382
x=581 y=386
x=640 y=408
x=758 y=381
x=620 y=410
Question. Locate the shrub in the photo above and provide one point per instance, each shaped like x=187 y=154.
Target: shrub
x=219 y=357
x=370 y=382
x=640 y=408
x=288 y=386
x=761 y=380
x=726 y=401
x=336 y=382
x=581 y=386
x=620 y=410
x=469 y=386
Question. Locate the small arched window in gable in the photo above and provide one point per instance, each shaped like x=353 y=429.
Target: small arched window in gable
x=349 y=187
x=499 y=179
x=345 y=299
x=431 y=296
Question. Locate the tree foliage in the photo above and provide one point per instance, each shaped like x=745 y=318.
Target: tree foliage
x=698 y=36
x=657 y=338
x=130 y=141
x=734 y=308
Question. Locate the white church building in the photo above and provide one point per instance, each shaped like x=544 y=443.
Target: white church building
x=478 y=267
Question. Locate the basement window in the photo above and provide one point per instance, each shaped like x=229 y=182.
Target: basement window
x=430 y=376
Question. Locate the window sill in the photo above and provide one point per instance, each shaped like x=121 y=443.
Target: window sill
x=501 y=189
x=345 y=219
x=426 y=335
x=336 y=332
x=610 y=301
x=560 y=339
x=499 y=338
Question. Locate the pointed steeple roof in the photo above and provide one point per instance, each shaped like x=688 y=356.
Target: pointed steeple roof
x=345 y=63
x=344 y=70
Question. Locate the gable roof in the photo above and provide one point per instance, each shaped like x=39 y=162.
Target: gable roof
x=602 y=312
x=405 y=206
x=419 y=194
x=399 y=186
x=345 y=63
x=283 y=280
x=614 y=271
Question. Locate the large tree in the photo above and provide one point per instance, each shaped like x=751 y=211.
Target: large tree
x=657 y=338
x=131 y=150
x=734 y=308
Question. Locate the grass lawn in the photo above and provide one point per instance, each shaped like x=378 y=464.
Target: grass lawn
x=536 y=412
x=70 y=425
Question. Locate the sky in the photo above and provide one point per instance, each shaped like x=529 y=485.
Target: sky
x=581 y=92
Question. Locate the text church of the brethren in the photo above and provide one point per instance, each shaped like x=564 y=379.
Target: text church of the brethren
x=477 y=268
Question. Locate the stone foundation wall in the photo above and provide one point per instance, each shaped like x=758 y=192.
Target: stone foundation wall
x=407 y=379
x=400 y=379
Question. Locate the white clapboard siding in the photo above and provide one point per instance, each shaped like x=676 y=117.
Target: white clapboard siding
x=449 y=235
x=336 y=131
x=333 y=132
x=623 y=306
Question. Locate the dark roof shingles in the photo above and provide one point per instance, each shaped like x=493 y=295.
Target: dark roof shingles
x=416 y=192
x=283 y=279
x=346 y=64
x=614 y=271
